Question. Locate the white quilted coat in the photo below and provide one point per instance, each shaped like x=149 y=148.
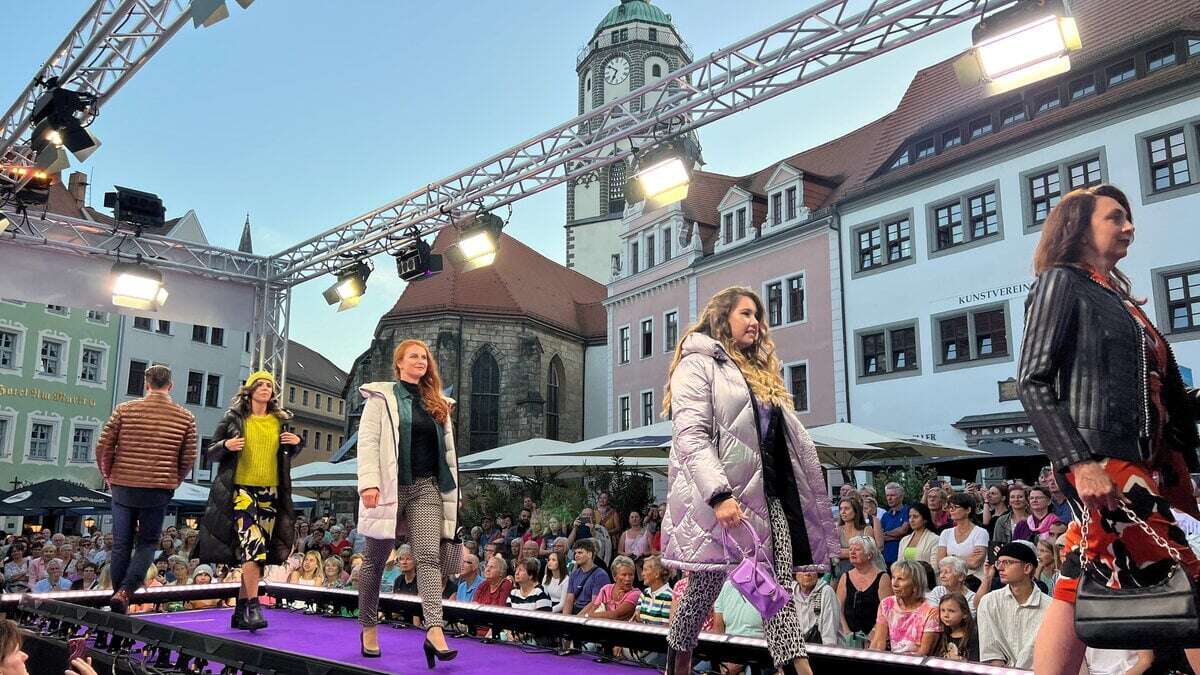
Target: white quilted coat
x=715 y=449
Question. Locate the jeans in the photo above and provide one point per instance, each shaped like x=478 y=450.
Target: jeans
x=137 y=525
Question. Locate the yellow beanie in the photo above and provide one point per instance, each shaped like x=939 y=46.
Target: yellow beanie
x=260 y=375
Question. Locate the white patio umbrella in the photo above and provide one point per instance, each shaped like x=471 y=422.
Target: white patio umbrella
x=324 y=475
x=848 y=445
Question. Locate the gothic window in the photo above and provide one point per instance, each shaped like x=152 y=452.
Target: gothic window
x=616 y=188
x=485 y=403
x=553 y=398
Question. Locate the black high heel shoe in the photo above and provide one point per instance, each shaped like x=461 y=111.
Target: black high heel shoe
x=432 y=652
x=367 y=653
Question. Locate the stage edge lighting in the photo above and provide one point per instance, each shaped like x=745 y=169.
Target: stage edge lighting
x=137 y=286
x=1014 y=47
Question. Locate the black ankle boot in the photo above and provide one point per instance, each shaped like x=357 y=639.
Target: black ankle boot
x=254 y=617
x=678 y=663
x=238 y=620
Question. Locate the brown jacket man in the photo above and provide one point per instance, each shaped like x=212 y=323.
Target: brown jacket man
x=145 y=451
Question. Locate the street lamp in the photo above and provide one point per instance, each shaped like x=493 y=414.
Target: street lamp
x=1027 y=42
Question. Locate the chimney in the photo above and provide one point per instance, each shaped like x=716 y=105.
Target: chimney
x=77 y=186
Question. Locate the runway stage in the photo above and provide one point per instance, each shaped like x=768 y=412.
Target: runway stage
x=337 y=639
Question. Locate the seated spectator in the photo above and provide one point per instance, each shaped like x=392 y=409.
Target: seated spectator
x=391 y=571
x=906 y=622
x=105 y=581
x=562 y=546
x=37 y=565
x=17 y=575
x=654 y=605
x=586 y=580
x=89 y=579
x=964 y=538
x=54 y=580
x=958 y=640
x=166 y=546
x=333 y=572
x=1040 y=519
x=151 y=581
x=70 y=560
x=406 y=582
x=861 y=589
x=527 y=593
x=311 y=572
x=203 y=574
x=619 y=599
x=496 y=585
x=734 y=615
x=852 y=524
x=921 y=542
x=935 y=501
x=469 y=578
x=820 y=613
x=1009 y=618
x=952 y=576
x=177 y=574
x=1047 y=569
x=531 y=549
x=555 y=579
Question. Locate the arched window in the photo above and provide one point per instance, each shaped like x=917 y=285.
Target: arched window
x=616 y=188
x=656 y=70
x=485 y=403
x=553 y=398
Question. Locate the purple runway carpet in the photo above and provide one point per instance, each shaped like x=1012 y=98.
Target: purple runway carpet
x=337 y=639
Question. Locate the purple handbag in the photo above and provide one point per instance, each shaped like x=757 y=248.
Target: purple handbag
x=755 y=579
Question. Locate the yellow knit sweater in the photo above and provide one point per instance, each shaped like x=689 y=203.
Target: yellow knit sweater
x=258 y=464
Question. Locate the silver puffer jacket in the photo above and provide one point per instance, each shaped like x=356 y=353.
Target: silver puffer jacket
x=715 y=449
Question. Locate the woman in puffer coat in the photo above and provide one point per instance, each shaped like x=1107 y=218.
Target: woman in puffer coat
x=738 y=454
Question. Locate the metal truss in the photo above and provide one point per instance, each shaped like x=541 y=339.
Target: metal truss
x=108 y=45
x=272 y=319
x=86 y=237
x=830 y=37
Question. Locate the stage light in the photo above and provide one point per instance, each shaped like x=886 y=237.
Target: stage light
x=135 y=207
x=662 y=173
x=137 y=286
x=56 y=119
x=477 y=242
x=208 y=12
x=37 y=183
x=350 y=286
x=1027 y=42
x=418 y=262
x=5 y=223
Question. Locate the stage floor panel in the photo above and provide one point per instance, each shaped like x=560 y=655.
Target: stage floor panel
x=337 y=639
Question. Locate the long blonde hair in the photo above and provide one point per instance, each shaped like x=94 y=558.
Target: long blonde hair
x=758 y=363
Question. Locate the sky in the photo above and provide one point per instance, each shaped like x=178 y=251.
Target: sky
x=305 y=114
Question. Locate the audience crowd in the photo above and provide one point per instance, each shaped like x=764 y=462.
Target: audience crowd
x=962 y=575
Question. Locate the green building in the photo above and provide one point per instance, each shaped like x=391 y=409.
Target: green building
x=58 y=373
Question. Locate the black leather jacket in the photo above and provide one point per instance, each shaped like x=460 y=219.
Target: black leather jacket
x=1082 y=376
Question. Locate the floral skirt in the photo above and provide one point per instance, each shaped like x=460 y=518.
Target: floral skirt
x=254 y=517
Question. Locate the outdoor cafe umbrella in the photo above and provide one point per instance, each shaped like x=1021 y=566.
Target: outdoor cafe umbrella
x=52 y=495
x=848 y=446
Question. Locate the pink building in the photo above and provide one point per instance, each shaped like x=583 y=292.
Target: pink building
x=773 y=231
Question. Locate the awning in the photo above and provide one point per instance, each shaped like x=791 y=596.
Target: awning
x=194 y=494
x=52 y=495
x=324 y=475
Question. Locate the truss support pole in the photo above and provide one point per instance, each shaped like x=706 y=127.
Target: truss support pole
x=272 y=310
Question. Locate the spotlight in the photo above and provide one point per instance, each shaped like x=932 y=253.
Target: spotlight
x=207 y=12
x=418 y=262
x=349 y=287
x=52 y=159
x=137 y=286
x=662 y=175
x=5 y=223
x=56 y=119
x=477 y=243
x=138 y=208
x=1029 y=41
x=37 y=187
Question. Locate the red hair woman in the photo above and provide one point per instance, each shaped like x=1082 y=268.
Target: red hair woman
x=408 y=475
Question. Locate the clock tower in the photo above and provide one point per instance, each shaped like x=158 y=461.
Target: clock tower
x=634 y=45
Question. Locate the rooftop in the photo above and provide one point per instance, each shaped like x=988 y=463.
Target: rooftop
x=634 y=10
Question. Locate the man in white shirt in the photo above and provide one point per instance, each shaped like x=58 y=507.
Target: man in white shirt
x=1009 y=618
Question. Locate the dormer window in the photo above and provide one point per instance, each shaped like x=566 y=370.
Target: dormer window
x=777 y=208
x=1012 y=114
x=1160 y=57
x=1084 y=86
x=901 y=160
x=741 y=224
x=1121 y=72
x=791 y=203
x=951 y=138
x=981 y=126
x=727 y=223
x=925 y=148
x=1047 y=101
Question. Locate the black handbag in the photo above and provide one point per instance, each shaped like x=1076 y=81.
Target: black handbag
x=1138 y=617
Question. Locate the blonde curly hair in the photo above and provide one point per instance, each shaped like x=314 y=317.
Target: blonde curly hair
x=758 y=363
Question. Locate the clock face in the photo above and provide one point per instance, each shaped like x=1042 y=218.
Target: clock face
x=617 y=70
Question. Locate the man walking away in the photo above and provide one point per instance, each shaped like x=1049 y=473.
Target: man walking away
x=145 y=451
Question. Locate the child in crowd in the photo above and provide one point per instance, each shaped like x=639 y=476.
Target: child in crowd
x=958 y=640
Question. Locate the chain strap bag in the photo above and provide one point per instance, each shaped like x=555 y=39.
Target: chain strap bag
x=1135 y=618
x=755 y=579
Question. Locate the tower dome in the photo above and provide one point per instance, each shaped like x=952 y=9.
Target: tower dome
x=634 y=10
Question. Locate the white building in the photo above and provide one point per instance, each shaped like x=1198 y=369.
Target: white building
x=938 y=234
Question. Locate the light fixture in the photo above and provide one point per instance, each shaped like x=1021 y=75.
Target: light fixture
x=37 y=183
x=1027 y=42
x=135 y=207
x=662 y=173
x=56 y=122
x=418 y=262
x=207 y=12
x=477 y=242
x=5 y=223
x=89 y=522
x=137 y=286
x=350 y=286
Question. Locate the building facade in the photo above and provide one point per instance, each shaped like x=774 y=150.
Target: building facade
x=314 y=396
x=516 y=344
x=58 y=375
x=634 y=45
